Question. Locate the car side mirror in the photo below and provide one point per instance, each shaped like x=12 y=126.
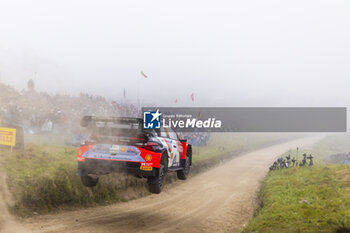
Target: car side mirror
x=183 y=140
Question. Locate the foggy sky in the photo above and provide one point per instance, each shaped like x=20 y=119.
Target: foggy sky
x=229 y=53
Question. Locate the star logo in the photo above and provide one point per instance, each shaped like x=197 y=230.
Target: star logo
x=151 y=119
x=156 y=115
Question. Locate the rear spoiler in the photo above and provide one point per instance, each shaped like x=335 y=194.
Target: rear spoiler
x=86 y=120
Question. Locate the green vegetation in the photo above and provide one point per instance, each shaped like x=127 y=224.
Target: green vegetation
x=42 y=177
x=307 y=199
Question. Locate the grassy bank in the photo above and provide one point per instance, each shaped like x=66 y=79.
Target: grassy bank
x=42 y=177
x=307 y=199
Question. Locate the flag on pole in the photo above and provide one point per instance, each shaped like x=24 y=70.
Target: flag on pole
x=176 y=101
x=124 y=93
x=143 y=74
x=199 y=116
x=192 y=97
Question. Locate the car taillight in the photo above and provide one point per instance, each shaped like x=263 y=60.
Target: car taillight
x=81 y=150
x=152 y=146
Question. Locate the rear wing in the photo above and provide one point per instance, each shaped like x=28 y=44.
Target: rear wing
x=87 y=121
x=112 y=127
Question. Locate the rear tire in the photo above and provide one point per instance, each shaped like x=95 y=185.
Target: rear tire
x=89 y=181
x=183 y=174
x=155 y=183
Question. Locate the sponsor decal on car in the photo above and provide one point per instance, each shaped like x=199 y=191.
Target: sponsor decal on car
x=114 y=149
x=132 y=149
x=148 y=157
x=144 y=168
x=147 y=164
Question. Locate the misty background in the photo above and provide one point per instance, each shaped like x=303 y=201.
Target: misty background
x=228 y=53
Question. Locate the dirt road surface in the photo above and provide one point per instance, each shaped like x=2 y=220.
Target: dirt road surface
x=218 y=200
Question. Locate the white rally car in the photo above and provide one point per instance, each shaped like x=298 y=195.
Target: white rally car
x=122 y=145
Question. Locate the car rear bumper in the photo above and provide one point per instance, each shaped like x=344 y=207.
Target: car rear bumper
x=100 y=167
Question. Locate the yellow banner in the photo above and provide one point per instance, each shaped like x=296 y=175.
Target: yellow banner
x=8 y=136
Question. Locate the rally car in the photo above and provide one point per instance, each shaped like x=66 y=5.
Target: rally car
x=120 y=144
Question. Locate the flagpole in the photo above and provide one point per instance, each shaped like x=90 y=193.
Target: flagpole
x=124 y=96
x=138 y=88
x=138 y=92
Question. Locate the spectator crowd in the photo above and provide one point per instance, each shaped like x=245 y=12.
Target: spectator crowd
x=40 y=111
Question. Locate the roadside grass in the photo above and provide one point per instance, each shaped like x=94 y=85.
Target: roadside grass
x=333 y=144
x=307 y=199
x=42 y=177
